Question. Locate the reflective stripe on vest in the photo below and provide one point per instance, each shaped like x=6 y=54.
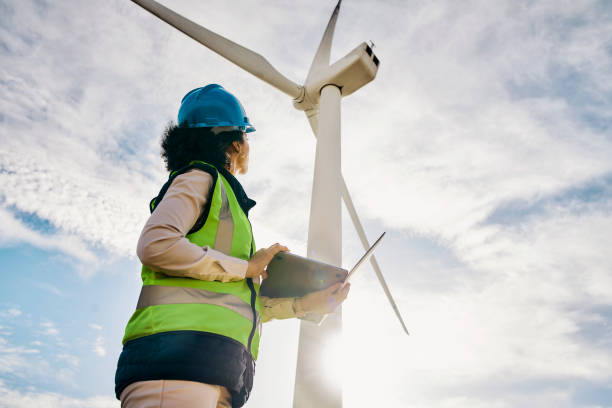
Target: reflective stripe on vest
x=155 y=295
x=169 y=303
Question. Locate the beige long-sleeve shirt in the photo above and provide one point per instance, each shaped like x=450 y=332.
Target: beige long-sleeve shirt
x=164 y=248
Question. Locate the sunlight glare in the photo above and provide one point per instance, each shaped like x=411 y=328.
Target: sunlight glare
x=333 y=360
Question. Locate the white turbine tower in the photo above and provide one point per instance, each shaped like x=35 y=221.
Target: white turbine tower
x=319 y=98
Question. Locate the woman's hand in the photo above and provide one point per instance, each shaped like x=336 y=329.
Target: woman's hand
x=323 y=301
x=261 y=259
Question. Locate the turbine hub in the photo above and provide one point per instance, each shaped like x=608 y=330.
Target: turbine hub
x=349 y=74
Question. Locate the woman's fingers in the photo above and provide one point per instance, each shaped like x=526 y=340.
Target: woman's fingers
x=343 y=292
x=272 y=250
x=260 y=260
x=340 y=291
x=276 y=248
x=335 y=287
x=325 y=300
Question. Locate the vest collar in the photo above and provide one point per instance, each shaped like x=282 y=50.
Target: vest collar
x=245 y=202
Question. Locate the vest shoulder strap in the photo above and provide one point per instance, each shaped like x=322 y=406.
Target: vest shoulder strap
x=212 y=170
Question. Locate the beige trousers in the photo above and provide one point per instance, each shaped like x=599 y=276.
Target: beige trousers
x=174 y=394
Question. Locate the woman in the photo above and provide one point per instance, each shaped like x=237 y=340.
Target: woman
x=194 y=337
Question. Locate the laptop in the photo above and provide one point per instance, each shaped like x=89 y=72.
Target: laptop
x=292 y=275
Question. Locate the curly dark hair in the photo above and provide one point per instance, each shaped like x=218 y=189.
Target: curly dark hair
x=180 y=145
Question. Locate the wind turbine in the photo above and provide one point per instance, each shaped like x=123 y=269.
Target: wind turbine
x=319 y=98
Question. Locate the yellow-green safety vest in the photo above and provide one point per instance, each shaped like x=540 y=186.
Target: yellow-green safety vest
x=230 y=309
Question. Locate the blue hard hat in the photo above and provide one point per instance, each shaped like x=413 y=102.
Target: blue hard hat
x=212 y=106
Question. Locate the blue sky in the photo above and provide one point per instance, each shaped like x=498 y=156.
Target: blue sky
x=482 y=147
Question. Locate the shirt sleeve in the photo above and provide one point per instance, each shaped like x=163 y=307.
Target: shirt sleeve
x=276 y=308
x=163 y=246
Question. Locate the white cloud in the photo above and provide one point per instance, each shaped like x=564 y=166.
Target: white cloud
x=50 y=288
x=98 y=347
x=14 y=359
x=31 y=366
x=49 y=329
x=18 y=399
x=10 y=313
x=69 y=359
x=16 y=232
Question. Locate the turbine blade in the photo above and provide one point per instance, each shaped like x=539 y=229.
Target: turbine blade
x=313 y=119
x=239 y=55
x=321 y=58
x=364 y=241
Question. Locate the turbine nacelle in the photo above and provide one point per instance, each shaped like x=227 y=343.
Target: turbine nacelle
x=349 y=74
